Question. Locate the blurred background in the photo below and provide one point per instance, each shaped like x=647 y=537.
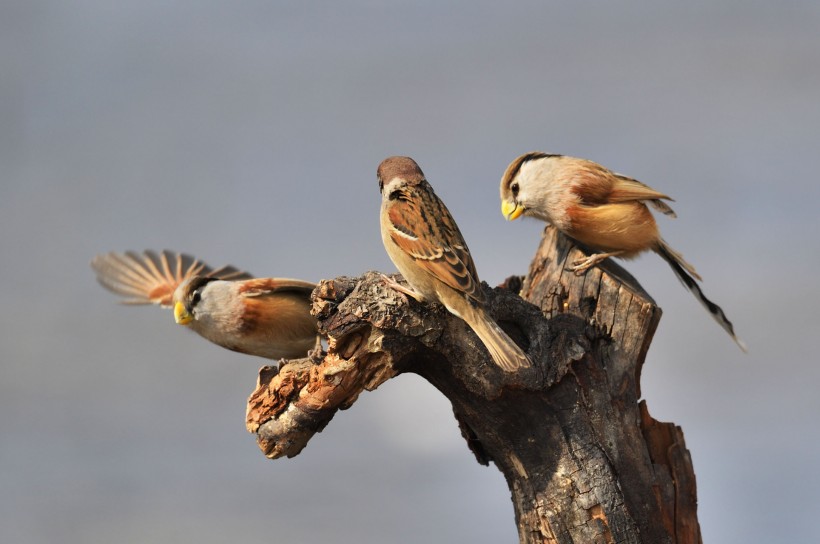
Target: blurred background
x=249 y=133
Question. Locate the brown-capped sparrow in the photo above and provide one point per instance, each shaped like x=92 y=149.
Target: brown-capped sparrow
x=267 y=317
x=600 y=209
x=424 y=243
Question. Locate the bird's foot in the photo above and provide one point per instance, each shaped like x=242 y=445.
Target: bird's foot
x=317 y=353
x=580 y=266
x=407 y=291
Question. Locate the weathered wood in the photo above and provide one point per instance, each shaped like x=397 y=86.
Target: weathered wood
x=584 y=460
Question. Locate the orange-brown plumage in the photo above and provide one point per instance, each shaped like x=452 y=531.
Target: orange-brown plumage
x=267 y=317
x=602 y=210
x=628 y=228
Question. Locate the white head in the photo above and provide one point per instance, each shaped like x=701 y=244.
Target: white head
x=188 y=297
x=528 y=187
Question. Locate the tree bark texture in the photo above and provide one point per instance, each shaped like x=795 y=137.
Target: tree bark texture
x=584 y=460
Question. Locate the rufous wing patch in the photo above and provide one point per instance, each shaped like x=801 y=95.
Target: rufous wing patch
x=434 y=242
x=258 y=287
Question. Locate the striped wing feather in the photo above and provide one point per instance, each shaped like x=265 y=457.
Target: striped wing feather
x=152 y=278
x=266 y=286
x=434 y=242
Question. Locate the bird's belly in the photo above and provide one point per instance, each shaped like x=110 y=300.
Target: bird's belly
x=626 y=227
x=421 y=281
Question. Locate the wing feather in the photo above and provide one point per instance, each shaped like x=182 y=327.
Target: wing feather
x=601 y=186
x=435 y=243
x=259 y=287
x=626 y=189
x=151 y=278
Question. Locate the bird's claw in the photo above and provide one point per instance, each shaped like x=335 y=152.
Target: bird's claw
x=396 y=286
x=580 y=266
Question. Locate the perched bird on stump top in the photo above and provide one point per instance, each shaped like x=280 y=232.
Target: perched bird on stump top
x=423 y=241
x=602 y=210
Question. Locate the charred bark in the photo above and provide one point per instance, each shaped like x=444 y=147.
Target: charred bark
x=584 y=460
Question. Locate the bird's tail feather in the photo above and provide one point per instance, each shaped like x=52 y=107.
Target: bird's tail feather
x=504 y=351
x=686 y=274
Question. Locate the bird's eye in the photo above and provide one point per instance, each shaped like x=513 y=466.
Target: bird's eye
x=514 y=188
x=195 y=298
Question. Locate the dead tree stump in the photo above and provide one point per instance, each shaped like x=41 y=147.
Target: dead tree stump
x=584 y=460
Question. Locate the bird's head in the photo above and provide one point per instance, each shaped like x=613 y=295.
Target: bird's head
x=187 y=297
x=524 y=185
x=394 y=172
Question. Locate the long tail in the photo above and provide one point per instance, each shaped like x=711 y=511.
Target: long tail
x=504 y=351
x=686 y=274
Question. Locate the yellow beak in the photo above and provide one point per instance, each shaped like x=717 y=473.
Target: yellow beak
x=511 y=210
x=181 y=315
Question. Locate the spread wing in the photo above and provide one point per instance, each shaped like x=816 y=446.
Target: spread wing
x=421 y=225
x=152 y=278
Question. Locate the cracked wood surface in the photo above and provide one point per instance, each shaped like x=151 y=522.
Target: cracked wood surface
x=584 y=460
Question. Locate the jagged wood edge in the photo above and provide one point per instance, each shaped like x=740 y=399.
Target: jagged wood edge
x=598 y=332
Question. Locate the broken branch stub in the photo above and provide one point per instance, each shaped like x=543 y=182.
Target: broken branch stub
x=375 y=333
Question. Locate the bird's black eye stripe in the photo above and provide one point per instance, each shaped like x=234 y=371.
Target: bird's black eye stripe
x=195 y=286
x=514 y=188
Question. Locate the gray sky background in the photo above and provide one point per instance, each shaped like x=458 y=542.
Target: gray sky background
x=249 y=133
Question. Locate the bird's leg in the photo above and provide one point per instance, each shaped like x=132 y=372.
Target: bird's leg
x=580 y=266
x=317 y=353
x=390 y=282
